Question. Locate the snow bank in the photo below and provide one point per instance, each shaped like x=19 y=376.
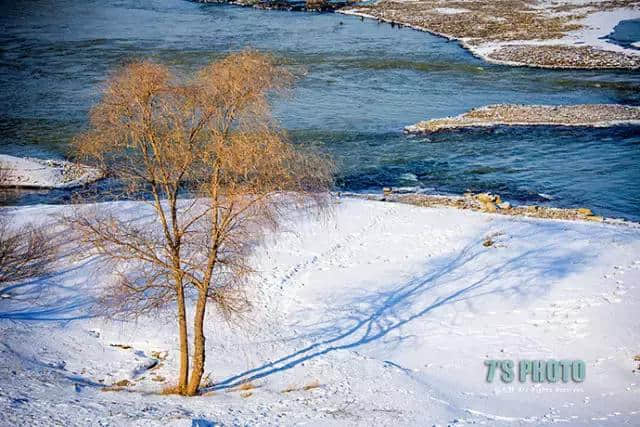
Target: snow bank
x=382 y=314
x=37 y=173
x=598 y=25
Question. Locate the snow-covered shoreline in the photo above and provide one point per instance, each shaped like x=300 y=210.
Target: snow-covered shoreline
x=584 y=47
x=27 y=172
x=382 y=314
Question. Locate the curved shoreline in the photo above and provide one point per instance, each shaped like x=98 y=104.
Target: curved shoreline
x=579 y=46
x=574 y=42
x=580 y=115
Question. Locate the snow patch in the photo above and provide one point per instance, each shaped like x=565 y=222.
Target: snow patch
x=449 y=10
x=37 y=173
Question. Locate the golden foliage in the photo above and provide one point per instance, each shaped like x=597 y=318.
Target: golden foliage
x=212 y=140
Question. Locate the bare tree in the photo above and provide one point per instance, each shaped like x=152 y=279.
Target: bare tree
x=25 y=252
x=210 y=138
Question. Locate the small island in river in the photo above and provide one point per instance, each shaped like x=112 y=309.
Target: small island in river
x=594 y=115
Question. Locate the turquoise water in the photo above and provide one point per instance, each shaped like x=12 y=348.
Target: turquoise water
x=359 y=83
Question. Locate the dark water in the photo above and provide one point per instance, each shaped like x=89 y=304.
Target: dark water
x=364 y=81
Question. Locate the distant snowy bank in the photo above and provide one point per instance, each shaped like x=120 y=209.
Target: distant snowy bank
x=36 y=173
x=546 y=33
x=382 y=314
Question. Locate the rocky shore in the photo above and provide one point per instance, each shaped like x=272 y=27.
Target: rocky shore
x=489 y=203
x=543 y=33
x=596 y=115
x=565 y=57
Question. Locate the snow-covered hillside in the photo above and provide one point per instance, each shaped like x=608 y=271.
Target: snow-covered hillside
x=382 y=314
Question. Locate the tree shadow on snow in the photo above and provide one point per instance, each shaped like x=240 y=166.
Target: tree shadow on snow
x=46 y=298
x=78 y=380
x=464 y=276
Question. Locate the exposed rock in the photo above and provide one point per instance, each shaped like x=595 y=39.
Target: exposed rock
x=488 y=242
x=121 y=346
x=316 y=4
x=160 y=355
x=489 y=202
x=490 y=207
x=485 y=197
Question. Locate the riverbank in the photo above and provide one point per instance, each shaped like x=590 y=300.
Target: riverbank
x=547 y=34
x=30 y=173
x=596 y=115
x=27 y=172
x=489 y=203
x=382 y=314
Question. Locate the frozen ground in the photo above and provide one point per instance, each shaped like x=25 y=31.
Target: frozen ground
x=385 y=313
x=37 y=173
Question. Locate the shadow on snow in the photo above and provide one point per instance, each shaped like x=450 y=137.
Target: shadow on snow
x=449 y=279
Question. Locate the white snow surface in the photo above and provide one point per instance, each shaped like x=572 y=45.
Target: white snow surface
x=390 y=309
x=596 y=26
x=38 y=173
x=450 y=10
x=600 y=24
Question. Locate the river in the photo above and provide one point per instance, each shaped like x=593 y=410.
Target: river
x=359 y=83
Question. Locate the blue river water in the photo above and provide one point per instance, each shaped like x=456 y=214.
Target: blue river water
x=359 y=83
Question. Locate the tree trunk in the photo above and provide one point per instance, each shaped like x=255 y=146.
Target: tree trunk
x=198 y=341
x=184 y=342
